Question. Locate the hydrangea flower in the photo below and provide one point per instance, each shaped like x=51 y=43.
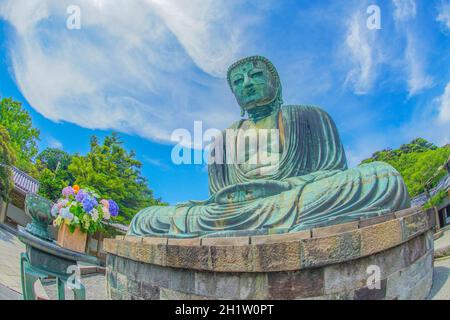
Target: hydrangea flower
x=81 y=195
x=62 y=203
x=66 y=214
x=113 y=208
x=105 y=203
x=68 y=191
x=94 y=214
x=55 y=210
x=89 y=203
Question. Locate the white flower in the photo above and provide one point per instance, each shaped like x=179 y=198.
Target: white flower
x=94 y=214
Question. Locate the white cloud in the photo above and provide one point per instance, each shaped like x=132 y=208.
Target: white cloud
x=143 y=67
x=54 y=143
x=444 y=15
x=405 y=9
x=418 y=80
x=359 y=45
x=444 y=106
x=156 y=162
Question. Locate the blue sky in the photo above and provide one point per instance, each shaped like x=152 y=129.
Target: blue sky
x=147 y=67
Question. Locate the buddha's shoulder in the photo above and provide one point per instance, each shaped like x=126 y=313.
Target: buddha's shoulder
x=302 y=109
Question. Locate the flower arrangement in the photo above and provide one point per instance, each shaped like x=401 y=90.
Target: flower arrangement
x=80 y=208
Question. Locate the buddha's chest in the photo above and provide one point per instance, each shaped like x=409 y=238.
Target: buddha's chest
x=258 y=147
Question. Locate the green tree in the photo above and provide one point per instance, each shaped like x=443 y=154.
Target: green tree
x=53 y=165
x=7 y=159
x=417 y=162
x=115 y=174
x=24 y=136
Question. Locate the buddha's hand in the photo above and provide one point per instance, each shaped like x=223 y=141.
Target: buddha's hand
x=250 y=191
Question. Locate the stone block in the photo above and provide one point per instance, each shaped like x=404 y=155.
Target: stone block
x=133 y=287
x=375 y=220
x=154 y=241
x=296 y=284
x=122 y=281
x=227 y=286
x=406 y=212
x=278 y=238
x=414 y=225
x=333 y=249
x=110 y=246
x=184 y=242
x=367 y=293
x=401 y=283
x=415 y=249
x=133 y=239
x=253 y=286
x=182 y=280
x=149 y=292
x=231 y=259
x=188 y=256
x=431 y=218
x=205 y=284
x=334 y=229
x=379 y=237
x=120 y=237
x=282 y=256
x=231 y=241
x=167 y=294
x=111 y=279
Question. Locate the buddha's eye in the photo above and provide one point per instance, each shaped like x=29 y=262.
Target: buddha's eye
x=238 y=82
x=257 y=74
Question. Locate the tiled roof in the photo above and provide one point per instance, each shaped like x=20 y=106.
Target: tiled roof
x=420 y=200
x=24 y=182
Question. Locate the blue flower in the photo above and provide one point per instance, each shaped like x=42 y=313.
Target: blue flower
x=89 y=203
x=113 y=208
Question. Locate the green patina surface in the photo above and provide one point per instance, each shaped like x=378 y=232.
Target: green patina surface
x=310 y=186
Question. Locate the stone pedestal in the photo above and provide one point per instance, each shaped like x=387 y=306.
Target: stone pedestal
x=337 y=262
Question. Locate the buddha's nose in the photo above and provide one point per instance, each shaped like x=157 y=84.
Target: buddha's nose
x=247 y=81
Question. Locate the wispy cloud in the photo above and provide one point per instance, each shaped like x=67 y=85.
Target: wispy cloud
x=418 y=79
x=415 y=66
x=54 y=143
x=359 y=44
x=405 y=9
x=444 y=15
x=156 y=162
x=444 y=106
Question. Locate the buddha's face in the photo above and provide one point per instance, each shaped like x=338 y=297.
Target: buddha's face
x=253 y=84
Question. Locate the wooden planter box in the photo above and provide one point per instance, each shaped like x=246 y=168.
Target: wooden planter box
x=76 y=241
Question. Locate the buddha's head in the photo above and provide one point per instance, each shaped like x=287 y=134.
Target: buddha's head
x=255 y=83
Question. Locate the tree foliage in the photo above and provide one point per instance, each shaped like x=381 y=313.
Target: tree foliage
x=7 y=158
x=24 y=136
x=53 y=165
x=417 y=162
x=115 y=174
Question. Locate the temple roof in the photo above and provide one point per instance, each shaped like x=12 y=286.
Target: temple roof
x=23 y=182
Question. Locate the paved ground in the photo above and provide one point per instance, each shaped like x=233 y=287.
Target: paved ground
x=10 y=249
x=8 y=294
x=10 y=286
x=443 y=241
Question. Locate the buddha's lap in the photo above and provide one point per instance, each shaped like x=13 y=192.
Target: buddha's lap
x=367 y=175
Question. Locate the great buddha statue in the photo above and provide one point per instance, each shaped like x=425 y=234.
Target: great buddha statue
x=309 y=186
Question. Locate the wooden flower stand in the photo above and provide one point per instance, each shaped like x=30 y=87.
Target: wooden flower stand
x=76 y=241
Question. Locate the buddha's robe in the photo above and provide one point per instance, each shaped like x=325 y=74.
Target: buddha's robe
x=312 y=187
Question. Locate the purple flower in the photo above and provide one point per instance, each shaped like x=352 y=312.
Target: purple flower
x=81 y=195
x=89 y=203
x=113 y=208
x=68 y=191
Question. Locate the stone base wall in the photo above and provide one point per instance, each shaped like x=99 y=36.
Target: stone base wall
x=338 y=262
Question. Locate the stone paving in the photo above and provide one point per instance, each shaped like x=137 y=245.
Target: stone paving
x=10 y=249
x=443 y=241
x=441 y=280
